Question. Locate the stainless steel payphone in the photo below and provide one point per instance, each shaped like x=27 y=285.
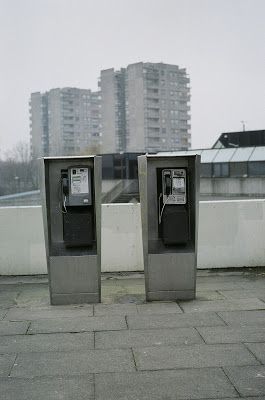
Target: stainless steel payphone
x=169 y=195
x=71 y=203
x=173 y=209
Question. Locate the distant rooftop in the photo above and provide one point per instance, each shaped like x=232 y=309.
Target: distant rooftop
x=240 y=139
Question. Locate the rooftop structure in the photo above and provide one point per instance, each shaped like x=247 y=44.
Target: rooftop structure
x=240 y=139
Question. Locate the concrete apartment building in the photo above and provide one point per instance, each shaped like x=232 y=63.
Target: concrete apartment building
x=65 y=122
x=113 y=120
x=145 y=107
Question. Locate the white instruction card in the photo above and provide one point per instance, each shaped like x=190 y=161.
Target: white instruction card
x=79 y=180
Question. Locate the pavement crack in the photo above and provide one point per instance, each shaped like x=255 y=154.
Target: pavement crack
x=182 y=309
x=230 y=381
x=13 y=365
x=27 y=331
x=134 y=360
x=222 y=319
x=126 y=321
x=94 y=339
x=196 y=329
x=251 y=352
x=94 y=386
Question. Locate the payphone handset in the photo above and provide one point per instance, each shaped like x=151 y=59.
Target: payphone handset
x=174 y=186
x=76 y=187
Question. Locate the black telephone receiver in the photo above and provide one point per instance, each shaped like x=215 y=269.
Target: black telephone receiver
x=168 y=185
x=65 y=186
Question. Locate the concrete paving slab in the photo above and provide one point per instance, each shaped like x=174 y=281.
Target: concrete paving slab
x=10 y=288
x=173 y=321
x=43 y=343
x=29 y=365
x=221 y=278
x=245 y=398
x=258 y=349
x=167 y=385
x=196 y=356
x=143 y=338
x=225 y=334
x=244 y=317
x=114 y=309
x=122 y=298
x=31 y=314
x=249 y=381
x=112 y=323
x=209 y=295
x=222 y=305
x=8 y=299
x=243 y=293
x=149 y=329
x=216 y=285
x=36 y=296
x=130 y=298
x=159 y=308
x=61 y=388
x=19 y=280
x=253 y=284
x=6 y=363
x=13 y=328
x=123 y=290
x=123 y=279
x=2 y=314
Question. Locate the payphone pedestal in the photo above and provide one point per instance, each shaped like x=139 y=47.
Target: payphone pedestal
x=169 y=189
x=71 y=204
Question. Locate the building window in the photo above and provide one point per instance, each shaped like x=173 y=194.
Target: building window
x=206 y=170
x=220 y=170
x=238 y=169
x=256 y=168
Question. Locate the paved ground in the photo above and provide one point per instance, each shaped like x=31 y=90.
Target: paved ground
x=123 y=349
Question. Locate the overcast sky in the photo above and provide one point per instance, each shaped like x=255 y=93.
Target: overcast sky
x=57 y=43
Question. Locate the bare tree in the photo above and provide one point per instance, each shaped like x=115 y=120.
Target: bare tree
x=18 y=173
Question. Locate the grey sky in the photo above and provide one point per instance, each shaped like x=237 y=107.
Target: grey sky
x=56 y=43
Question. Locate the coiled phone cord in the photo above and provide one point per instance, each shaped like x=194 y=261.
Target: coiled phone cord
x=160 y=214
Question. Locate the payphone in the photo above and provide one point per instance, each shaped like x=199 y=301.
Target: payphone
x=76 y=205
x=169 y=196
x=71 y=203
x=173 y=216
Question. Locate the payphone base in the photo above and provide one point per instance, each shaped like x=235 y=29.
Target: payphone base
x=170 y=276
x=74 y=279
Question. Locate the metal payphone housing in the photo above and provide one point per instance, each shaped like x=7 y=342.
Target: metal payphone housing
x=71 y=204
x=169 y=196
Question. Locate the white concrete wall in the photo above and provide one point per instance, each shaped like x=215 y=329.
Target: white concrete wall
x=22 y=250
x=121 y=238
x=236 y=186
x=231 y=234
